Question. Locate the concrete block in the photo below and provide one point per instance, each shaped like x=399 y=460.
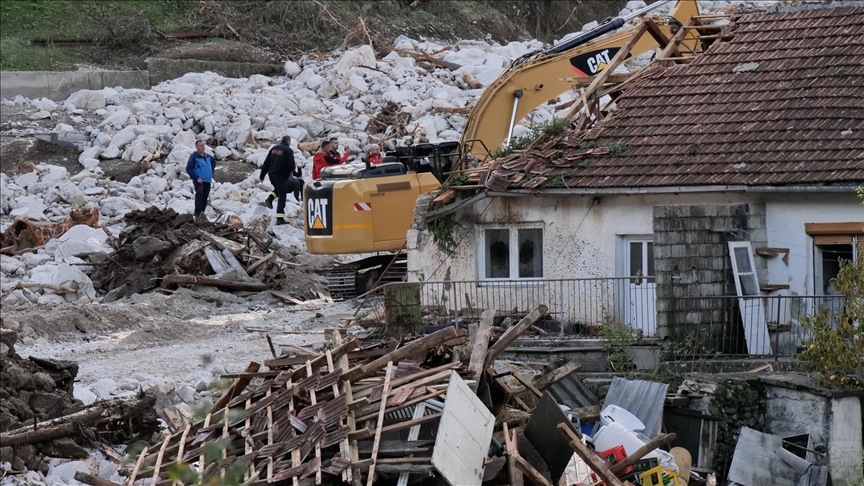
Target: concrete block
x=679 y=251
x=697 y=210
x=709 y=210
x=59 y=85
x=659 y=212
x=682 y=211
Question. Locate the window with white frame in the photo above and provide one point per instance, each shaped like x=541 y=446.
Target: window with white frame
x=511 y=253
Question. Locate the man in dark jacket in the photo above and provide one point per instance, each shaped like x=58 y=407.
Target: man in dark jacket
x=200 y=167
x=284 y=175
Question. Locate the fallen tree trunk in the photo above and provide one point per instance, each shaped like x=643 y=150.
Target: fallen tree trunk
x=68 y=425
x=213 y=282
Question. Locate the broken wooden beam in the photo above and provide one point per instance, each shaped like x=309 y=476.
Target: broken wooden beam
x=224 y=243
x=236 y=388
x=321 y=360
x=85 y=478
x=513 y=333
x=481 y=345
x=641 y=452
x=556 y=375
x=590 y=457
x=419 y=345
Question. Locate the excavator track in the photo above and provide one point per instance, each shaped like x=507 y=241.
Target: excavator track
x=351 y=279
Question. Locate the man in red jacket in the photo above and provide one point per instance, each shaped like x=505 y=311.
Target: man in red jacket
x=327 y=156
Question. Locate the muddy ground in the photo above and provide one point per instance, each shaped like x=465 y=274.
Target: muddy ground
x=169 y=336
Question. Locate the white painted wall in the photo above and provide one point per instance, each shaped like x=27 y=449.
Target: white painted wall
x=845 y=442
x=583 y=239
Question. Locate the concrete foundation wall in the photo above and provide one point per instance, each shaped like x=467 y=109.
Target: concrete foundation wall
x=59 y=85
x=845 y=442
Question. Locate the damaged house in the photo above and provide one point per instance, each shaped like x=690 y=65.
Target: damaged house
x=718 y=199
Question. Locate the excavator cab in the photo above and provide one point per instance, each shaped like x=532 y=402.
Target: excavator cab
x=437 y=159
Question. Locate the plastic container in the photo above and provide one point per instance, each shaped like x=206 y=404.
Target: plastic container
x=614 y=413
x=659 y=476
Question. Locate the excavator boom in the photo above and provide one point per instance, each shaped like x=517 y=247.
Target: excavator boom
x=527 y=85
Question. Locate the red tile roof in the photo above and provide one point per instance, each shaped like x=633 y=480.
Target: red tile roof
x=781 y=103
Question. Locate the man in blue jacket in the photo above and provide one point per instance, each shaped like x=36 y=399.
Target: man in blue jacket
x=200 y=167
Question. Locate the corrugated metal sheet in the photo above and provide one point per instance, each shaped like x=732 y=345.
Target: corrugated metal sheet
x=644 y=399
x=780 y=103
x=572 y=392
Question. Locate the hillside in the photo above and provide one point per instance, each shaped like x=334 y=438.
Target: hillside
x=122 y=34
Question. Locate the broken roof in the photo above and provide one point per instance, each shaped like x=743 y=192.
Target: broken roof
x=782 y=103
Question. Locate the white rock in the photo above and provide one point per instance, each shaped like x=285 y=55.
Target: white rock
x=87 y=182
x=65 y=473
x=240 y=131
x=55 y=173
x=27 y=180
x=90 y=153
x=93 y=191
x=292 y=69
x=362 y=56
x=68 y=276
x=84 y=394
x=401 y=96
x=358 y=83
x=70 y=193
x=222 y=152
x=141 y=148
x=187 y=394
x=104 y=388
x=157 y=186
x=174 y=112
x=85 y=100
x=488 y=76
x=118 y=206
x=50 y=300
x=179 y=155
x=45 y=104
x=30 y=207
x=40 y=115
x=111 y=152
x=314 y=81
x=89 y=163
x=122 y=138
x=185 y=137
x=81 y=240
x=117 y=119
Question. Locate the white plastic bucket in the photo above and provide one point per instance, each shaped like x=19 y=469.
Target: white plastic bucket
x=616 y=414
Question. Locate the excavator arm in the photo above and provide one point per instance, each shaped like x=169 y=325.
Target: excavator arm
x=527 y=85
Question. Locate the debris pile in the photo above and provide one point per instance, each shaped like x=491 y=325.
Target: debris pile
x=39 y=417
x=385 y=411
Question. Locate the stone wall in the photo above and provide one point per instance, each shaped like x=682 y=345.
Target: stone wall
x=691 y=260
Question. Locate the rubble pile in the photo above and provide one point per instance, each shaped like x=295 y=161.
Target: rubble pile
x=40 y=418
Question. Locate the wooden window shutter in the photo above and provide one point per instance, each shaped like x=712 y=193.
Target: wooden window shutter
x=832 y=240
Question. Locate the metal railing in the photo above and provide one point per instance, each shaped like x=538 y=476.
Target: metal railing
x=697 y=327
x=577 y=306
x=704 y=327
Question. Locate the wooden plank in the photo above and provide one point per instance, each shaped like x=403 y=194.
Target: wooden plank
x=600 y=79
x=158 y=466
x=416 y=346
x=511 y=334
x=527 y=384
x=182 y=446
x=411 y=402
x=528 y=469
x=557 y=375
x=380 y=424
x=814 y=229
x=313 y=399
x=236 y=388
x=343 y=444
x=463 y=436
x=354 y=455
x=131 y=479
x=481 y=345
x=513 y=470
x=318 y=362
x=641 y=452
x=367 y=434
x=590 y=457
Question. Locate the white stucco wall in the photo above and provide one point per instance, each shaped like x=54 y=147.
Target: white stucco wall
x=584 y=238
x=579 y=243
x=845 y=441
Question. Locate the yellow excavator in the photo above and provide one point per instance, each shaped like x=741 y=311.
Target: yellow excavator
x=358 y=209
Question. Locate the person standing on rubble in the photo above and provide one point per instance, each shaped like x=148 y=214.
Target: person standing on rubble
x=284 y=175
x=327 y=156
x=200 y=167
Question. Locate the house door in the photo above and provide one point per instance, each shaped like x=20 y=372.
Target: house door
x=641 y=288
x=750 y=302
x=830 y=251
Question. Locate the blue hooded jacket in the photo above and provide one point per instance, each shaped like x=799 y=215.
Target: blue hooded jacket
x=201 y=166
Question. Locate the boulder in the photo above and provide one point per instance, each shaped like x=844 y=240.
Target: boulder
x=104 y=388
x=85 y=100
x=68 y=276
x=185 y=137
x=146 y=247
x=222 y=152
x=117 y=119
x=40 y=115
x=122 y=138
x=239 y=132
x=292 y=69
x=362 y=56
x=141 y=148
x=65 y=473
x=80 y=241
x=70 y=194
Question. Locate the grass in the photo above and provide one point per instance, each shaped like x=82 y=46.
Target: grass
x=21 y=20
x=16 y=55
